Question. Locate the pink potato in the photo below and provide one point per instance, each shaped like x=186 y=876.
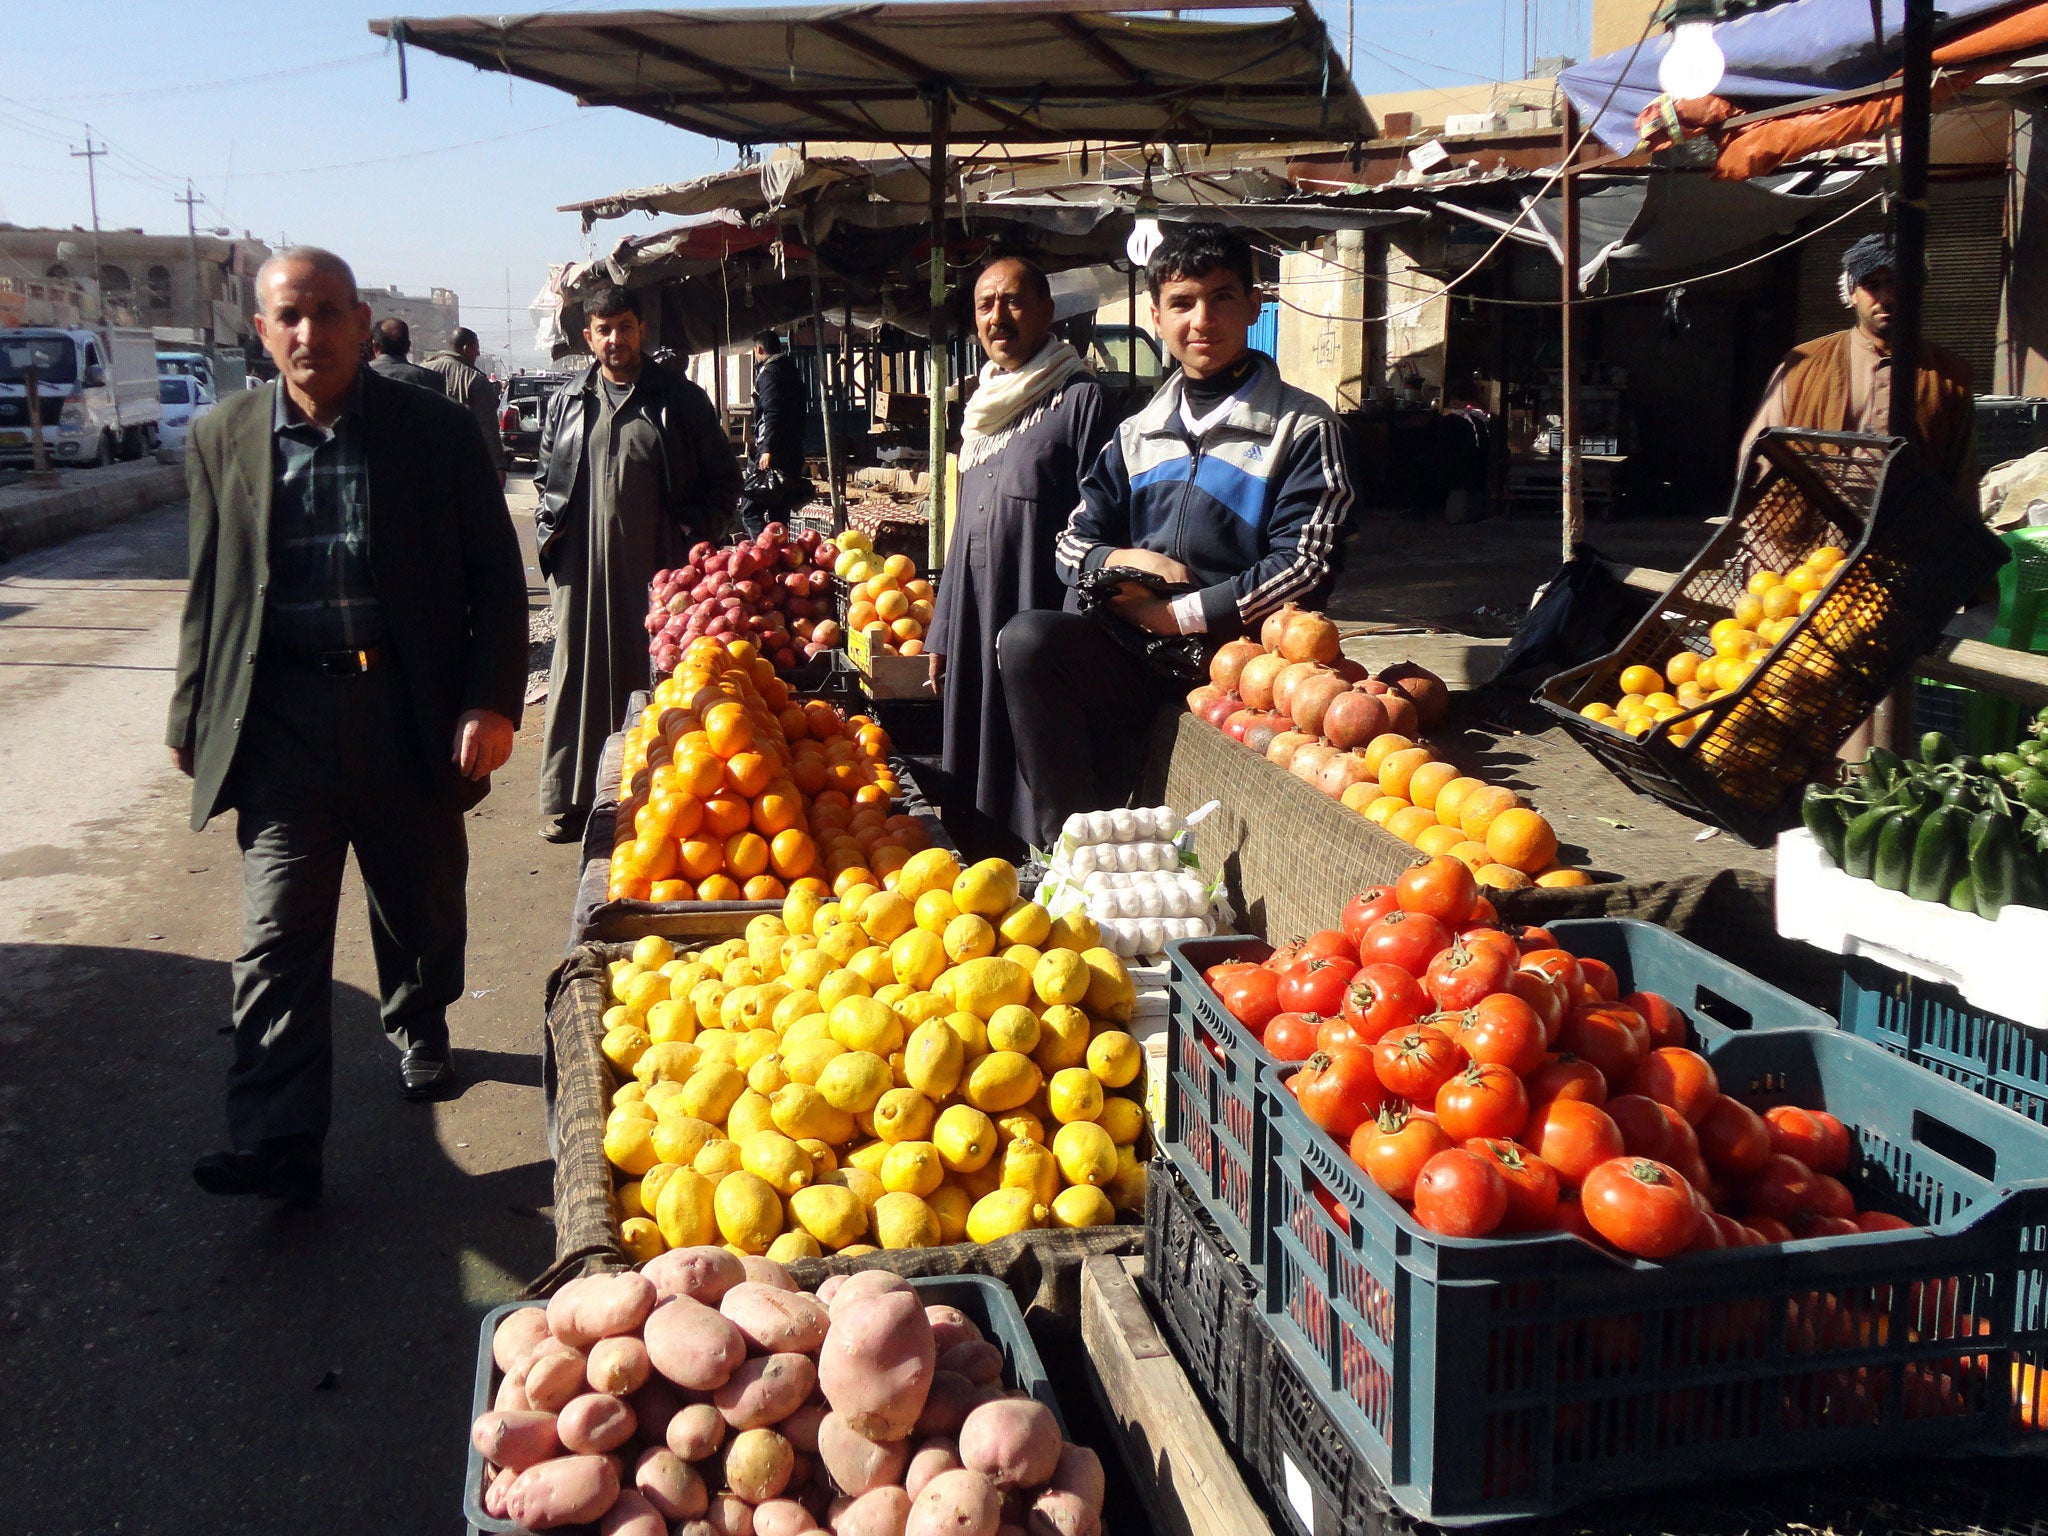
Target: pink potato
x=950 y=1326
x=881 y=1512
x=555 y=1374
x=1015 y=1441
x=962 y=1503
x=1080 y=1472
x=618 y=1365
x=783 y=1517
x=800 y=1429
x=515 y=1440
x=946 y=1406
x=765 y=1271
x=775 y=1321
x=517 y=1336
x=1058 y=1513
x=729 y=1515
x=595 y=1423
x=496 y=1486
x=693 y=1345
x=933 y=1456
x=632 y=1514
x=595 y=1307
x=758 y=1464
x=829 y=1287
x=570 y=1490
x=976 y=1359
x=856 y=1464
x=696 y=1432
x=766 y=1390
x=702 y=1274
x=670 y=1484
x=876 y=1366
x=511 y=1397
x=863 y=1286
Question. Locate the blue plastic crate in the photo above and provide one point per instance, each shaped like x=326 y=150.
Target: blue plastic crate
x=1500 y=1378
x=1932 y=1026
x=1215 y=1121
x=988 y=1303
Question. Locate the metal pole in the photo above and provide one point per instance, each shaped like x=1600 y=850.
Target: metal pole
x=1916 y=66
x=32 y=375
x=935 y=171
x=92 y=185
x=825 y=393
x=201 y=331
x=1568 y=451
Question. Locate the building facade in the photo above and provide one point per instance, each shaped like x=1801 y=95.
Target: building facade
x=430 y=316
x=196 y=290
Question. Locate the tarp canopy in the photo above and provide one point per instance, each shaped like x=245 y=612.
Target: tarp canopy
x=1787 y=53
x=1020 y=71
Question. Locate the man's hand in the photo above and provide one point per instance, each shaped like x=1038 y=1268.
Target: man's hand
x=182 y=761
x=762 y=463
x=483 y=740
x=1135 y=606
x=935 y=671
x=1151 y=562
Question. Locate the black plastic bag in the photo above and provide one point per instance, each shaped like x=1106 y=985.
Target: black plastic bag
x=1583 y=611
x=1179 y=658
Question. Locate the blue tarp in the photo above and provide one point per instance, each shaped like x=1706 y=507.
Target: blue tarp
x=1805 y=48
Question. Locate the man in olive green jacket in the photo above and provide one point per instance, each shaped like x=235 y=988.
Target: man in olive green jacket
x=351 y=669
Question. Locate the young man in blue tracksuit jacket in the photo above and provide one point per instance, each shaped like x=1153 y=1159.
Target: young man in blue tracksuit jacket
x=1230 y=481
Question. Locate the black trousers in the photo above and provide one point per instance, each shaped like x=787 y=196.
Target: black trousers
x=327 y=764
x=1081 y=711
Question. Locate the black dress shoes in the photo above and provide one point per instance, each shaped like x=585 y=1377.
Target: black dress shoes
x=286 y=1169
x=426 y=1072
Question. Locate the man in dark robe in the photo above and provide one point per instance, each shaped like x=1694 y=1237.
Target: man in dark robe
x=1033 y=426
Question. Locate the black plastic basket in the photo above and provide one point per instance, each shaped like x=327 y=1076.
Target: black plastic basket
x=1915 y=555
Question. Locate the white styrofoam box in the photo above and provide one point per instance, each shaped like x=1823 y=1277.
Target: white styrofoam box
x=1997 y=966
x=1471 y=125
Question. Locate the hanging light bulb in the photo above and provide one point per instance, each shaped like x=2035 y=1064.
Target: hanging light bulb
x=1693 y=64
x=1144 y=240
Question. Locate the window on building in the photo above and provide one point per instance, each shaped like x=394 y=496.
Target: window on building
x=114 y=279
x=156 y=291
x=57 y=271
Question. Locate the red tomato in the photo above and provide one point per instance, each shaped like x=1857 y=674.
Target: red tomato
x=1217 y=975
x=1417 y=1062
x=1533 y=936
x=1485 y=1100
x=1646 y=1126
x=1483 y=911
x=1678 y=1077
x=1252 y=997
x=1882 y=1221
x=1733 y=1138
x=1491 y=938
x=1330 y=944
x=1606 y=1039
x=1780 y=1189
x=1316 y=985
x=1830 y=1197
x=1393 y=1148
x=1440 y=887
x=1339 y=1090
x=1459 y=976
x=1565 y=1077
x=1557 y=964
x=1285 y=955
x=1810 y=1224
x=1574 y=1137
x=1545 y=996
x=1531 y=1182
x=1707 y=1235
x=1504 y=1029
x=1290 y=1036
x=1600 y=977
x=1769 y=1228
x=1796 y=1133
x=1407 y=939
x=1337 y=1212
x=1733 y=1233
x=1365 y=909
x=1667 y=1023
x=1382 y=998
x=1571 y=1214
x=1335 y=1034
x=1641 y=1206
x=1835 y=1140
x=1460 y=1194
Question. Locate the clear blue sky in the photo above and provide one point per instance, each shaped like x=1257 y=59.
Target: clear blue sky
x=285 y=114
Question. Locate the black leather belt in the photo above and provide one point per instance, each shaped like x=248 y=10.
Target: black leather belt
x=334 y=663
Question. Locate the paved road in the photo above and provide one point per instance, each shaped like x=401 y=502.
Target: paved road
x=183 y=1364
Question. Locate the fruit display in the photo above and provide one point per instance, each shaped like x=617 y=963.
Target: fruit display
x=1492 y=1083
x=886 y=600
x=708 y=1393
x=772 y=590
x=1761 y=617
x=1133 y=873
x=928 y=1062
x=1968 y=832
x=732 y=790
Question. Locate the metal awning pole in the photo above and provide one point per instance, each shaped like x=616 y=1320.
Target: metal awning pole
x=1909 y=280
x=1568 y=449
x=942 y=130
x=825 y=394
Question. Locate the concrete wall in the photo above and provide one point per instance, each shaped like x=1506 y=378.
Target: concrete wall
x=1618 y=23
x=1322 y=344
x=149 y=278
x=429 y=316
x=1418 y=315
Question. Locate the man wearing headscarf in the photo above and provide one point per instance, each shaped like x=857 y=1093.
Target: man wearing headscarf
x=1843 y=382
x=1033 y=427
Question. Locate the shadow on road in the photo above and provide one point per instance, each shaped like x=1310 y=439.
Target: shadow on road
x=187 y=1364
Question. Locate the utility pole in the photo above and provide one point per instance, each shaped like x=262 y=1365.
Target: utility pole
x=1570 y=466
x=92 y=183
x=201 y=305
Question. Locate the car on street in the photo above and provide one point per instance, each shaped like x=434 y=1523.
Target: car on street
x=526 y=401
x=185 y=399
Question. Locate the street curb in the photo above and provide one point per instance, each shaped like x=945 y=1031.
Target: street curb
x=94 y=499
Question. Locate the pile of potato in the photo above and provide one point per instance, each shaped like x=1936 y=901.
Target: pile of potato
x=706 y=1394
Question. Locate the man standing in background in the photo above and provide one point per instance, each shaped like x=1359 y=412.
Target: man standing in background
x=781 y=411
x=464 y=383
x=390 y=340
x=632 y=465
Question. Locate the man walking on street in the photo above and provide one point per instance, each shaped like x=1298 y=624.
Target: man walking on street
x=351 y=666
x=389 y=343
x=632 y=464
x=781 y=411
x=464 y=383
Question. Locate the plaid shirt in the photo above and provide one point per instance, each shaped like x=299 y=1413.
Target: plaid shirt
x=322 y=596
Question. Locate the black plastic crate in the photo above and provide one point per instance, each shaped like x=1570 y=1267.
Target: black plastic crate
x=1933 y=1026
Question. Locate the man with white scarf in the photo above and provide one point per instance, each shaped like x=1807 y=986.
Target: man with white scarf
x=1033 y=427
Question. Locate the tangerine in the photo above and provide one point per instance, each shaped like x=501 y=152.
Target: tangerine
x=672 y=890
x=1521 y=839
x=701 y=857
x=851 y=876
x=748 y=773
x=718 y=888
x=729 y=729
x=726 y=814
x=792 y=853
x=1640 y=679
x=1426 y=783
x=701 y=773
x=1482 y=806
x=777 y=809
x=1410 y=822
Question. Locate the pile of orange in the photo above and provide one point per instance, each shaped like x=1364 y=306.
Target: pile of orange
x=892 y=606
x=731 y=790
x=1427 y=802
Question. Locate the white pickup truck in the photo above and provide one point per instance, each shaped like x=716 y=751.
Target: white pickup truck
x=97 y=390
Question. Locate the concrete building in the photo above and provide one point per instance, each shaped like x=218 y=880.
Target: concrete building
x=430 y=317
x=188 y=290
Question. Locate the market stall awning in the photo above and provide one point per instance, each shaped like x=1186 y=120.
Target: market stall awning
x=1019 y=71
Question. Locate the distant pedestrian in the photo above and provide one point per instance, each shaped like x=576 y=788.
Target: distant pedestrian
x=775 y=482
x=467 y=385
x=632 y=464
x=390 y=340
x=351 y=667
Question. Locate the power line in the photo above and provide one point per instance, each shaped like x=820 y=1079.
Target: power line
x=193 y=88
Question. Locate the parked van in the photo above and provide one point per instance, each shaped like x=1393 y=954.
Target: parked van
x=98 y=388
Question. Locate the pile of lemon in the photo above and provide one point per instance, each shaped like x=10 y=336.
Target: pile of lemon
x=896 y=1068
x=1765 y=613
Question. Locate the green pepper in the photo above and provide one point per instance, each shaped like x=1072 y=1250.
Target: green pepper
x=1995 y=857
x=1962 y=896
x=2004 y=764
x=1896 y=839
x=1966 y=793
x=1941 y=853
x=1882 y=769
x=2039 y=726
x=1935 y=749
x=1825 y=814
x=2034 y=794
x=1859 y=842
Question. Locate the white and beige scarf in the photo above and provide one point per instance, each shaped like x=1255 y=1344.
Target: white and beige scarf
x=1006 y=403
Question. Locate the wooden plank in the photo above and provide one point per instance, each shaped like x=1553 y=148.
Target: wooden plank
x=1184 y=1474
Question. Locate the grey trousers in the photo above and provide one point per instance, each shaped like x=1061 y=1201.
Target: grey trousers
x=327 y=764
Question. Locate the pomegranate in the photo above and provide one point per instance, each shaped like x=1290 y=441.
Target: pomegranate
x=1259 y=735
x=1402 y=718
x=1354 y=718
x=1283 y=746
x=1308 y=760
x=1311 y=699
x=1423 y=688
x=1229 y=661
x=1350 y=669
x=1276 y=622
x=1255 y=682
x=1198 y=698
x=1220 y=709
x=1291 y=677
x=1308 y=637
x=1340 y=772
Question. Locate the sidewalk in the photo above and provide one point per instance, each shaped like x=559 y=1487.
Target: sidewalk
x=84 y=500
